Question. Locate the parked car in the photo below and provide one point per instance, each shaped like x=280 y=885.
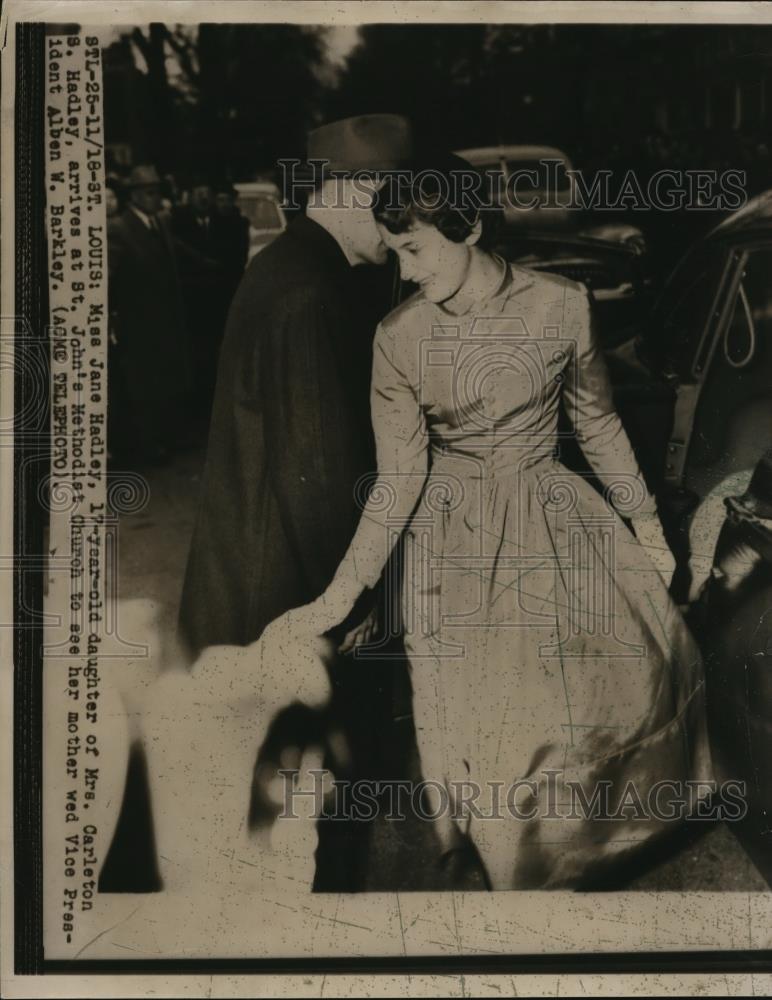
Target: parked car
x=709 y=338
x=616 y=273
x=694 y=387
x=541 y=192
x=260 y=202
x=736 y=625
x=542 y=178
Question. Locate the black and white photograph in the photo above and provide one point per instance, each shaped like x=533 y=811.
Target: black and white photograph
x=387 y=447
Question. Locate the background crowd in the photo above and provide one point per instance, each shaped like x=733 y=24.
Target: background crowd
x=175 y=260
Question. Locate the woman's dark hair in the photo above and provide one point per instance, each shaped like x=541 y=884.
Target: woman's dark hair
x=441 y=190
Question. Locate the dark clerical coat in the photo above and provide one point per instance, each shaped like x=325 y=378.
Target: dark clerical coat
x=290 y=437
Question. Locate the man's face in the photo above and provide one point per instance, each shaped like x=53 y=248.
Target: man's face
x=351 y=199
x=201 y=198
x=429 y=259
x=147 y=198
x=223 y=203
x=111 y=203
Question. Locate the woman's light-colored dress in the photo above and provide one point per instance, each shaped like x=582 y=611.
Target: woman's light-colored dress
x=544 y=647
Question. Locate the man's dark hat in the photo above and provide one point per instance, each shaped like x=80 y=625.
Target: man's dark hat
x=144 y=175
x=370 y=143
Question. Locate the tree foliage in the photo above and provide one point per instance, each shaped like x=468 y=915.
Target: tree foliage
x=217 y=99
x=232 y=99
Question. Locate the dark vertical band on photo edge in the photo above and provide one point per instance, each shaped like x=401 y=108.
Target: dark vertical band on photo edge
x=30 y=312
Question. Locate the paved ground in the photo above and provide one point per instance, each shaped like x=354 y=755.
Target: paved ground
x=152 y=553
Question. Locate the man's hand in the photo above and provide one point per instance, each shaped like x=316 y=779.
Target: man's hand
x=361 y=634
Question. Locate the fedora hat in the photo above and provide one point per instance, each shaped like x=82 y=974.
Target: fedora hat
x=143 y=175
x=365 y=142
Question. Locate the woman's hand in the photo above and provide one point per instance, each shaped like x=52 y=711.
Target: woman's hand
x=649 y=533
x=361 y=634
x=304 y=622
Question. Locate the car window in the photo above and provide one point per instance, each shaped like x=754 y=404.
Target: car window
x=733 y=419
x=493 y=177
x=551 y=175
x=535 y=178
x=494 y=166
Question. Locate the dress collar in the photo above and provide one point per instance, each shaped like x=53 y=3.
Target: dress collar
x=513 y=280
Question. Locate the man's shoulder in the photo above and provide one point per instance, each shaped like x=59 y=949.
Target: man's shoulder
x=124 y=233
x=118 y=224
x=287 y=272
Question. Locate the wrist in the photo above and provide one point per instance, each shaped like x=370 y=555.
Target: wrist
x=648 y=530
x=646 y=519
x=340 y=597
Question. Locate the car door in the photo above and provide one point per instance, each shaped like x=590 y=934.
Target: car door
x=684 y=318
x=729 y=465
x=733 y=416
x=726 y=404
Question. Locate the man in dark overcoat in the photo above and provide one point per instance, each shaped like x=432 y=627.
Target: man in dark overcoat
x=290 y=439
x=290 y=435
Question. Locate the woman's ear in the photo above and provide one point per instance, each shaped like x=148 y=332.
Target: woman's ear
x=475 y=234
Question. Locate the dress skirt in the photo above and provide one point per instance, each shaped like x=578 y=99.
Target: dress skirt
x=558 y=693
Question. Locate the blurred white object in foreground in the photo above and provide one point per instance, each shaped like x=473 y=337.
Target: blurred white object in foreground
x=201 y=727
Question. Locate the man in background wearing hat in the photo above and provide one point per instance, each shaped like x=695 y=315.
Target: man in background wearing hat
x=290 y=435
x=151 y=363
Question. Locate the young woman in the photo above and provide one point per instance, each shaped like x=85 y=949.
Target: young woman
x=557 y=691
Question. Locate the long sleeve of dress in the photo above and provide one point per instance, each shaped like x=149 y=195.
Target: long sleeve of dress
x=590 y=406
x=401 y=443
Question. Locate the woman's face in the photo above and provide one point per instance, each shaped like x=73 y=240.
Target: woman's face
x=430 y=259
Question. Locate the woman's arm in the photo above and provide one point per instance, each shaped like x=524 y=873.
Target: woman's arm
x=402 y=454
x=603 y=440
